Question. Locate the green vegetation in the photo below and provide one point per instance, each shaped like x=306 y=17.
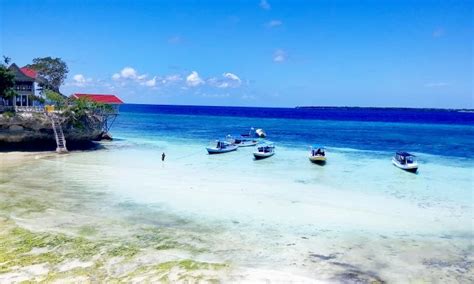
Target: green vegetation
x=6 y=80
x=83 y=105
x=25 y=205
x=92 y=253
x=161 y=240
x=53 y=72
x=55 y=98
x=78 y=110
x=15 y=245
x=87 y=231
x=124 y=250
x=9 y=114
x=21 y=248
x=186 y=269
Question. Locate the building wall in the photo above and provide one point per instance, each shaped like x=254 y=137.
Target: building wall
x=24 y=92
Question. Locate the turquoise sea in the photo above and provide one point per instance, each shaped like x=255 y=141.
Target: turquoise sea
x=355 y=220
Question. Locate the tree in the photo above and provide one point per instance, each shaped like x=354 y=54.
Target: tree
x=7 y=80
x=55 y=98
x=52 y=70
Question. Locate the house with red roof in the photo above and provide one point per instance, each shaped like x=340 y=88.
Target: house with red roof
x=107 y=99
x=26 y=86
x=100 y=98
x=109 y=116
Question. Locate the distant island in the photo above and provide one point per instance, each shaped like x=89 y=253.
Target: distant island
x=384 y=108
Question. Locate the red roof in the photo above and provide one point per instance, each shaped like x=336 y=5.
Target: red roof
x=29 y=72
x=100 y=98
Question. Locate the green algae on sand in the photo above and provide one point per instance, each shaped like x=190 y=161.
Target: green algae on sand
x=71 y=257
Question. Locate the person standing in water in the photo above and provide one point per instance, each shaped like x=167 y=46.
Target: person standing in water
x=163 y=157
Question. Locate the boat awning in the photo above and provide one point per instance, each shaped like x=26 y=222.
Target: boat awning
x=405 y=154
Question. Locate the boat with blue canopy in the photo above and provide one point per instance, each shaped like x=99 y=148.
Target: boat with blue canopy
x=405 y=161
x=264 y=150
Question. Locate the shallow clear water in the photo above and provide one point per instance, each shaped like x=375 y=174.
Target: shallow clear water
x=357 y=214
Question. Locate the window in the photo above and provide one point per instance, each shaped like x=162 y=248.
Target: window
x=23 y=87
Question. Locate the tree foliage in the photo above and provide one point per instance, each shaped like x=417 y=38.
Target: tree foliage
x=7 y=79
x=82 y=105
x=52 y=70
x=55 y=98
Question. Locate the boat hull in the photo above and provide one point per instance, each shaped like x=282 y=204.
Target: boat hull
x=221 y=151
x=320 y=160
x=412 y=168
x=261 y=156
x=247 y=144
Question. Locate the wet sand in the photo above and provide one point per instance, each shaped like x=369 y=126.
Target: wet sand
x=117 y=214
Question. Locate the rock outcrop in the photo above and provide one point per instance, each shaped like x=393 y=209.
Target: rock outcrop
x=30 y=128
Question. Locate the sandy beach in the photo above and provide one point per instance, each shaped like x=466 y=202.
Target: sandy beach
x=119 y=214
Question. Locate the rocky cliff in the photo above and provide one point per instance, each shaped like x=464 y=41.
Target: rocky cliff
x=34 y=129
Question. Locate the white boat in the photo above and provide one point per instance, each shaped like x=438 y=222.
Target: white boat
x=317 y=155
x=242 y=141
x=264 y=150
x=405 y=161
x=220 y=146
x=259 y=133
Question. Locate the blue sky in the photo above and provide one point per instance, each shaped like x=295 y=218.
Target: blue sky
x=253 y=53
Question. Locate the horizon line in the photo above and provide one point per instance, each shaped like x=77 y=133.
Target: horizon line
x=312 y=107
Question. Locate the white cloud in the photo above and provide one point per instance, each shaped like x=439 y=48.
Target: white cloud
x=228 y=80
x=141 y=77
x=129 y=76
x=279 y=56
x=116 y=76
x=193 y=79
x=80 y=80
x=231 y=76
x=265 y=5
x=171 y=79
x=128 y=73
x=151 y=82
x=274 y=23
x=437 y=84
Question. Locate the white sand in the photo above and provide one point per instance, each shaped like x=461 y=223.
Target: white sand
x=268 y=220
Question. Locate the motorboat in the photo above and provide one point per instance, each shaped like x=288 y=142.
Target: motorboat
x=221 y=146
x=242 y=141
x=259 y=133
x=317 y=155
x=264 y=150
x=405 y=161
